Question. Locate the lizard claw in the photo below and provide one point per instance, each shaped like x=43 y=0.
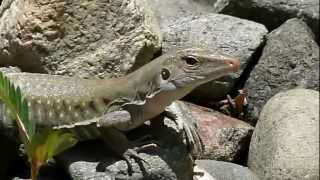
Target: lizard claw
x=138 y=145
x=132 y=153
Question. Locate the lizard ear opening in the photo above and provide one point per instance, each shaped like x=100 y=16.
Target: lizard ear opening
x=165 y=74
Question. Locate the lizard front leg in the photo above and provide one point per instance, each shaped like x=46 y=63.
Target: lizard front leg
x=179 y=113
x=109 y=119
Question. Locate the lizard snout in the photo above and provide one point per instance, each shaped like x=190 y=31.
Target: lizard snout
x=234 y=64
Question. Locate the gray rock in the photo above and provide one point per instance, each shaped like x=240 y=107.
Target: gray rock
x=226 y=171
x=78 y=38
x=11 y=69
x=167 y=11
x=272 y=13
x=221 y=33
x=289 y=59
x=285 y=143
x=170 y=160
x=201 y=174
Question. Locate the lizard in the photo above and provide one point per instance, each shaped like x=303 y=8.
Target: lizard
x=107 y=108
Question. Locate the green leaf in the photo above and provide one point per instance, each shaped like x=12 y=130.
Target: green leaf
x=12 y=98
x=58 y=142
x=30 y=125
x=47 y=144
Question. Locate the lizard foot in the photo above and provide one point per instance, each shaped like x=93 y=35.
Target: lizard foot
x=138 y=145
x=132 y=153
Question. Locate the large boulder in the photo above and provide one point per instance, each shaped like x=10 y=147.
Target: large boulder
x=289 y=59
x=221 y=33
x=272 y=13
x=285 y=142
x=77 y=38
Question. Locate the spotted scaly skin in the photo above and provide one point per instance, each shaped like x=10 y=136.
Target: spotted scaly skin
x=58 y=100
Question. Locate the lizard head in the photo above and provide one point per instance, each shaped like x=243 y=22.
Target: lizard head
x=190 y=68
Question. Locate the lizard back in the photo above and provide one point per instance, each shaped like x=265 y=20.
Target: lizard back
x=57 y=100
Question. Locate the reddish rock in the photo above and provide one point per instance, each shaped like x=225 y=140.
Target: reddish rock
x=224 y=138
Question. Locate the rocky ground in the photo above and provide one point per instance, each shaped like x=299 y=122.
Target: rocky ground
x=272 y=134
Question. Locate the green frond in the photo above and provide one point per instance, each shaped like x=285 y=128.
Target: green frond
x=13 y=100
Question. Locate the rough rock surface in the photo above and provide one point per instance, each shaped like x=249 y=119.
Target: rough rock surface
x=272 y=13
x=226 y=171
x=224 y=138
x=289 y=59
x=201 y=174
x=285 y=143
x=170 y=160
x=167 y=11
x=78 y=38
x=221 y=33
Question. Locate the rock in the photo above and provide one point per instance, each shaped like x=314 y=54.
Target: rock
x=11 y=69
x=226 y=171
x=289 y=59
x=79 y=38
x=167 y=11
x=170 y=160
x=224 y=138
x=285 y=142
x=201 y=174
x=272 y=13
x=223 y=34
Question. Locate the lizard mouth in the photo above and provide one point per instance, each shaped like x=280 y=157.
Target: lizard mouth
x=233 y=64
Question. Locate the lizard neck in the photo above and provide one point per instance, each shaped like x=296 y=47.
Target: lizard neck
x=144 y=81
x=134 y=87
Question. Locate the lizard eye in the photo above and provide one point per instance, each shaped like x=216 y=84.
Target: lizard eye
x=165 y=73
x=190 y=60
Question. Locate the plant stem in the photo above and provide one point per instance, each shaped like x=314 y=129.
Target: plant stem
x=34 y=171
